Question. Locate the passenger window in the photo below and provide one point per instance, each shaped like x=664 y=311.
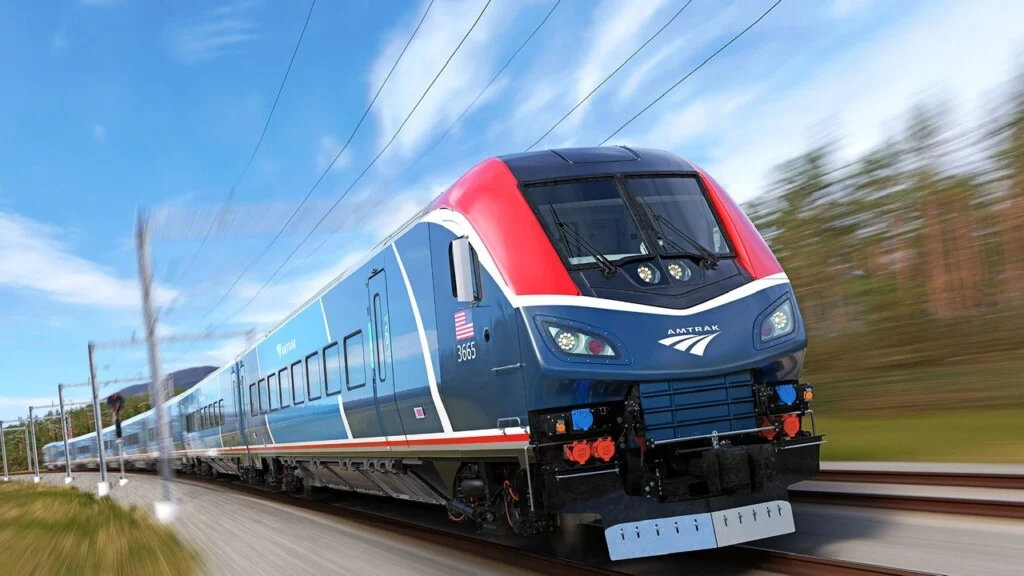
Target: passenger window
x=298 y=383
x=355 y=370
x=313 y=376
x=220 y=409
x=262 y=392
x=332 y=369
x=285 y=384
x=273 y=393
x=252 y=400
x=378 y=319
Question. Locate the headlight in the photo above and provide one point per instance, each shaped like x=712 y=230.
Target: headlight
x=778 y=323
x=679 y=271
x=577 y=343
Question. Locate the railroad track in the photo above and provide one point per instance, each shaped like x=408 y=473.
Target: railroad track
x=969 y=480
x=987 y=507
x=742 y=557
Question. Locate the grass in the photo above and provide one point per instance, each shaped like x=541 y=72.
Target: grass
x=56 y=530
x=949 y=413
x=991 y=436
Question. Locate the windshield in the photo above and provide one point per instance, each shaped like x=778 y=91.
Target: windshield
x=588 y=221
x=595 y=215
x=680 y=213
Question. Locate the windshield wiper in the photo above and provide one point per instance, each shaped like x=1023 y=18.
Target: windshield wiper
x=607 y=267
x=659 y=220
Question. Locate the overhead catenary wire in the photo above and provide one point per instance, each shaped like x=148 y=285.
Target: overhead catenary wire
x=364 y=171
x=316 y=184
x=691 y=72
x=493 y=79
x=255 y=150
x=448 y=131
x=609 y=77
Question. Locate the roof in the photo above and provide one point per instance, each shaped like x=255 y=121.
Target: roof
x=584 y=162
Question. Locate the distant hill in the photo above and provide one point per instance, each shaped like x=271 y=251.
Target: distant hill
x=183 y=379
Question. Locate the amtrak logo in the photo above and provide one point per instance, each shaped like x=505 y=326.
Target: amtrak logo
x=693 y=339
x=285 y=348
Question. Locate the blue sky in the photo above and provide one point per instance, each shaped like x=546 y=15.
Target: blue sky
x=113 y=105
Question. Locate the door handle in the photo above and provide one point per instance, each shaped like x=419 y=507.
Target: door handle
x=509 y=368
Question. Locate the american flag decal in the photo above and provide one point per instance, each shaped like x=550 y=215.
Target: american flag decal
x=463 y=325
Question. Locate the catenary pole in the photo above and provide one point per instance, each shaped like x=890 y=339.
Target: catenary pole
x=103 y=488
x=3 y=449
x=35 y=455
x=64 y=431
x=164 y=509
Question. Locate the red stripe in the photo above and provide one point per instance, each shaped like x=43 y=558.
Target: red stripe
x=752 y=251
x=489 y=198
x=385 y=443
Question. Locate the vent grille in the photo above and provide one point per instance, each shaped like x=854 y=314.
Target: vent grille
x=684 y=408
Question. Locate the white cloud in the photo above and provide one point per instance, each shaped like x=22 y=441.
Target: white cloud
x=32 y=257
x=99 y=133
x=965 y=49
x=465 y=75
x=211 y=34
x=327 y=149
x=678 y=126
x=844 y=8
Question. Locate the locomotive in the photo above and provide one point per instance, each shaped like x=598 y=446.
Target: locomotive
x=584 y=335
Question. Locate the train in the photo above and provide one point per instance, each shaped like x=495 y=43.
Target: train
x=562 y=338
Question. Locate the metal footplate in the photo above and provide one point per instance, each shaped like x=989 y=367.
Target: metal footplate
x=661 y=536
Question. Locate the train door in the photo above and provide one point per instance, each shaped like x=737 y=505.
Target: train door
x=383 y=381
x=238 y=387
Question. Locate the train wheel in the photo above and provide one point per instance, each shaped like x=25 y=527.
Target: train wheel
x=568 y=539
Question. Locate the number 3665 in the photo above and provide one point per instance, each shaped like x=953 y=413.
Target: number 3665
x=466 y=351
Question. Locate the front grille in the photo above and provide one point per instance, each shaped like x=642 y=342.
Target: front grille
x=684 y=408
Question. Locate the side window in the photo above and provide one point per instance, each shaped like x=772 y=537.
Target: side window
x=286 y=386
x=355 y=369
x=298 y=383
x=220 y=409
x=252 y=399
x=261 y=389
x=378 y=333
x=313 y=372
x=332 y=369
x=273 y=393
x=475 y=263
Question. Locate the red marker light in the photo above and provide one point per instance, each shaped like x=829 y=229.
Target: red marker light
x=595 y=346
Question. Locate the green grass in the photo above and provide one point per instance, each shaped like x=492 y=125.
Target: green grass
x=55 y=530
x=949 y=436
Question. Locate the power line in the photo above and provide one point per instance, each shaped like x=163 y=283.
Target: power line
x=478 y=96
x=691 y=72
x=366 y=169
x=447 y=132
x=259 y=143
x=372 y=162
x=323 y=174
x=607 y=78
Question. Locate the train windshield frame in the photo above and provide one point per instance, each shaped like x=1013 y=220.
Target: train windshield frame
x=617 y=218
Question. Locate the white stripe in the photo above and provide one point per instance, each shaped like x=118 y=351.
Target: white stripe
x=687 y=342
x=446 y=424
x=344 y=419
x=324 y=312
x=699 y=347
x=266 y=418
x=458 y=225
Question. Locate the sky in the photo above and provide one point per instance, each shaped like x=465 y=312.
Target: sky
x=110 y=107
